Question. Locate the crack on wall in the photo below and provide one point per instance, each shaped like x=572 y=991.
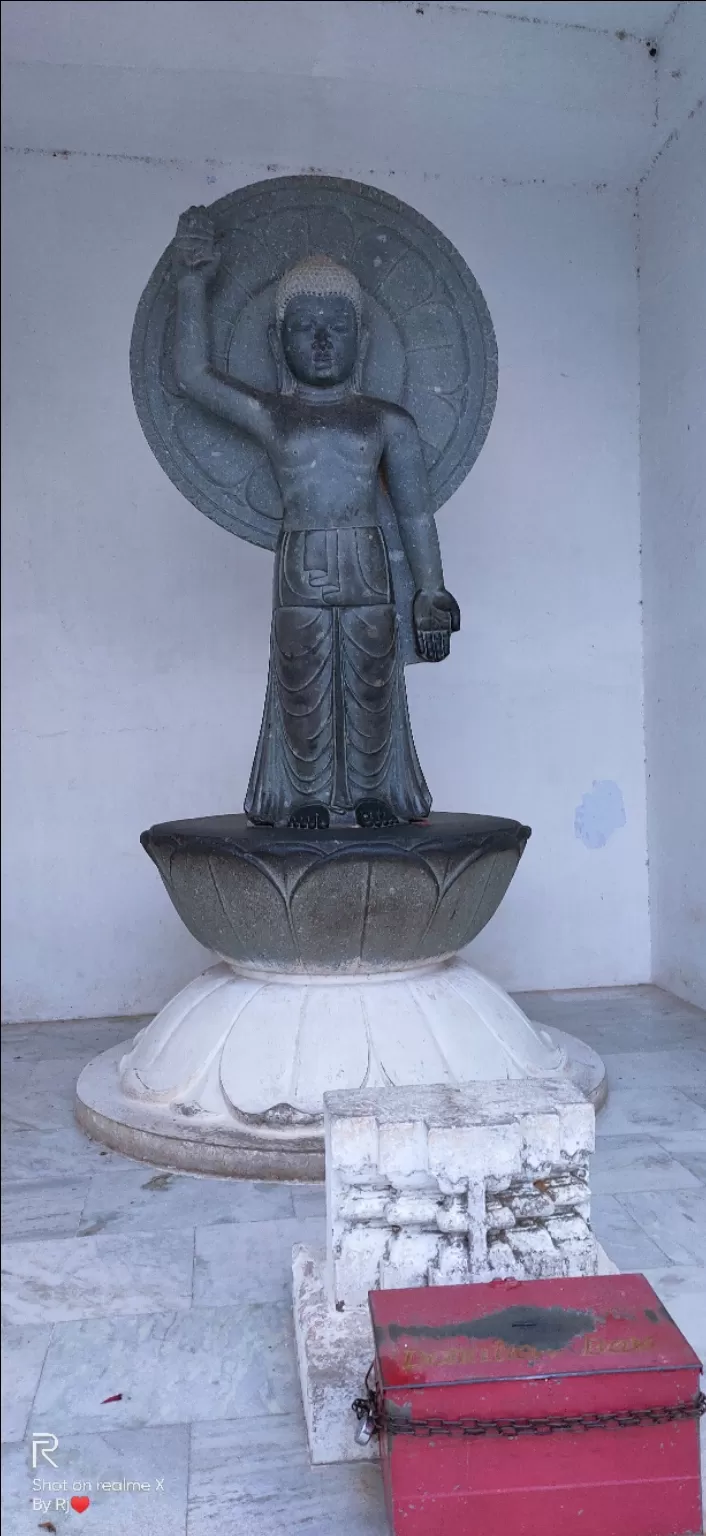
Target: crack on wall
x=671 y=139
x=673 y=15
x=96 y=154
x=538 y=21
x=623 y=34
x=282 y=168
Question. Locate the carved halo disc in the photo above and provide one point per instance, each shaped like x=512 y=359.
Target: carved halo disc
x=432 y=345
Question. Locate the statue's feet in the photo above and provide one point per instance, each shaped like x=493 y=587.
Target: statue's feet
x=309 y=818
x=375 y=813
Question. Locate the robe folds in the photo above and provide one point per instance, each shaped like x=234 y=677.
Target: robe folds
x=335 y=729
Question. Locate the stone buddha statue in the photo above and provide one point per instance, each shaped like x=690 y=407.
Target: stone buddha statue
x=337 y=942
x=335 y=744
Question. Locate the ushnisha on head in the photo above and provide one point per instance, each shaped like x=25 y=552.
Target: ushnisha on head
x=318 y=277
x=318 y=311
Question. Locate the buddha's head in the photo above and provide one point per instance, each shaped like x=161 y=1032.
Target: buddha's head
x=318 y=335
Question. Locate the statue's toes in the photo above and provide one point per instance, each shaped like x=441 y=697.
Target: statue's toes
x=375 y=813
x=309 y=818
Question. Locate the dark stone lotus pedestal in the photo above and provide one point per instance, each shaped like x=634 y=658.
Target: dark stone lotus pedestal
x=338 y=967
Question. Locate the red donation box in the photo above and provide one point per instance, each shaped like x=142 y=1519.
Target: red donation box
x=536 y=1408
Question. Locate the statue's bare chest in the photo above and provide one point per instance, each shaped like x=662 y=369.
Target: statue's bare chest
x=328 y=449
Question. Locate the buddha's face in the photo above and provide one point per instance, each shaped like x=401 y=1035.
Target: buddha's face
x=320 y=339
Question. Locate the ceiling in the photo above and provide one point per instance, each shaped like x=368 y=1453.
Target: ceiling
x=642 y=18
x=431 y=88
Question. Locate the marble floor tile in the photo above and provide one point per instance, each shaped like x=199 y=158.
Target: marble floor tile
x=682 y=1289
x=171 y=1368
x=67 y=1153
x=23 y=1353
x=50 y=1208
x=698 y=1095
x=85 y=1462
x=250 y=1262
x=677 y=1225
x=624 y=1240
x=619 y=1018
x=226 y=1364
x=78 y=1038
x=39 y=1096
x=254 y=1479
x=624 y=1163
x=647 y=1111
x=64 y=1278
x=138 y=1199
x=309 y=1199
x=683 y=1067
x=689 y=1148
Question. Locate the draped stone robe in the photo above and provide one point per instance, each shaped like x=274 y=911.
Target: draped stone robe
x=335 y=728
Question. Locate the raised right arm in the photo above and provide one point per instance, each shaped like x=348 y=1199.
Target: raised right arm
x=195 y=262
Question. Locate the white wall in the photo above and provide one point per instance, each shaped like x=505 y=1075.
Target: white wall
x=402 y=86
x=137 y=630
x=673 y=334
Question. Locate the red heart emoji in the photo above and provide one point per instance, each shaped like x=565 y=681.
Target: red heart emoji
x=80 y=1503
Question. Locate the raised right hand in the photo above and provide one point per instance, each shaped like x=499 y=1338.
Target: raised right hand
x=194 y=246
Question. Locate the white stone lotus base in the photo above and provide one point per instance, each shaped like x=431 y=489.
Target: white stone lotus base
x=229 y=1078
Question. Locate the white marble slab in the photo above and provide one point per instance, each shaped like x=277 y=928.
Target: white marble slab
x=85 y=1461
x=698 y=1095
x=39 y=1096
x=309 y=1199
x=23 y=1353
x=250 y=1262
x=621 y=1164
x=79 y=1038
x=689 y=1148
x=624 y=1240
x=143 y=1199
x=232 y=1366
x=641 y=1019
x=254 y=1479
x=643 y=1001
x=65 y=1278
x=677 y=1225
x=175 y=1367
x=67 y=1153
x=682 y=1067
x=48 y=1209
x=647 y=1111
x=682 y=1289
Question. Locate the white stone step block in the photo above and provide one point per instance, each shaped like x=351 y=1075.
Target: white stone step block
x=442 y=1185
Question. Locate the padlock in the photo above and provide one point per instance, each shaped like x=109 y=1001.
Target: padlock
x=365 y=1430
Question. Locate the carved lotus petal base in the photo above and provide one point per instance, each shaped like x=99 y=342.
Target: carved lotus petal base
x=230 y=1076
x=343 y=901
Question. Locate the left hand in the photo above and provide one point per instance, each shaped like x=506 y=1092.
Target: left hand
x=436 y=616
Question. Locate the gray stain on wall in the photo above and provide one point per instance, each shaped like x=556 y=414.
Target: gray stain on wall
x=600 y=814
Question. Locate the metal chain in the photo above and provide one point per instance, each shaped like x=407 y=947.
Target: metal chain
x=373 y=1417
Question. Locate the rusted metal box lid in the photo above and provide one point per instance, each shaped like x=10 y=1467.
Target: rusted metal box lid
x=530 y=1329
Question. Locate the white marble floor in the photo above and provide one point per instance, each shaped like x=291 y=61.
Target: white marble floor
x=147 y=1314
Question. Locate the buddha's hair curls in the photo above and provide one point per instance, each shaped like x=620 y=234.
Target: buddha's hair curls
x=318 y=277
